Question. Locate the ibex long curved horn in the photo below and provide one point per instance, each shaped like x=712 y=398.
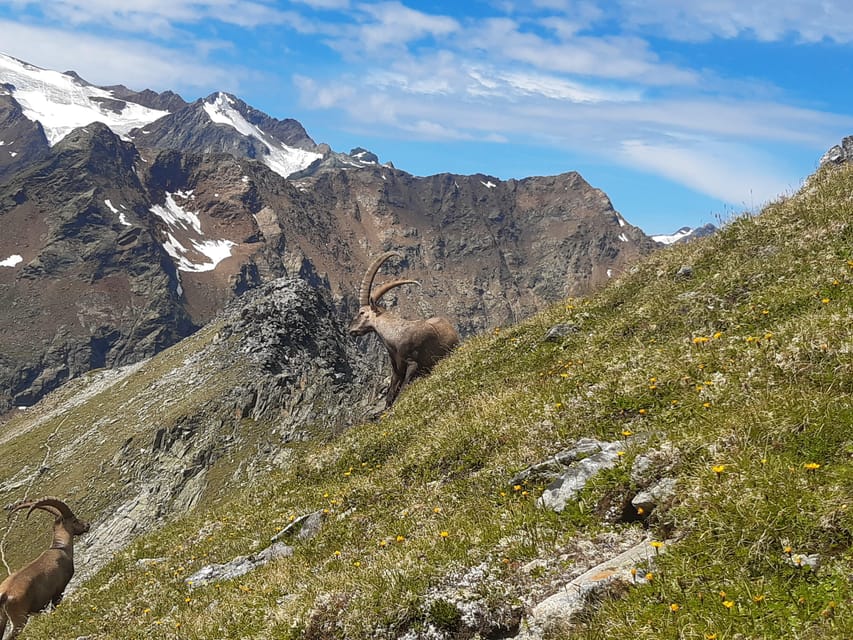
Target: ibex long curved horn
x=54 y=506
x=370 y=274
x=382 y=289
x=49 y=504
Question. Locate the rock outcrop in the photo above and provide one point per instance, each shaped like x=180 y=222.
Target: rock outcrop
x=174 y=430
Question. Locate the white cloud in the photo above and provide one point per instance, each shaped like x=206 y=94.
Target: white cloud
x=156 y=17
x=328 y=5
x=612 y=57
x=105 y=61
x=394 y=24
x=730 y=172
x=557 y=88
x=764 y=20
x=315 y=95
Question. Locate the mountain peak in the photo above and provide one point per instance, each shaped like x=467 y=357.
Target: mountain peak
x=62 y=102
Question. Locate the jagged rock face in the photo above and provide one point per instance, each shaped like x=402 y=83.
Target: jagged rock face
x=165 y=101
x=840 y=153
x=486 y=252
x=22 y=141
x=89 y=291
x=123 y=253
x=297 y=370
x=189 y=129
x=212 y=413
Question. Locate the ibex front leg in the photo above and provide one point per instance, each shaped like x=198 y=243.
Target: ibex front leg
x=394 y=387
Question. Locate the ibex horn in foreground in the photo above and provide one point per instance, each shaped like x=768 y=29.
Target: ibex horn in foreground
x=414 y=345
x=43 y=580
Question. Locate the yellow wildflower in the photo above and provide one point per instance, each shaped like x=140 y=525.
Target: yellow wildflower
x=444 y=534
x=674 y=607
x=728 y=604
x=811 y=466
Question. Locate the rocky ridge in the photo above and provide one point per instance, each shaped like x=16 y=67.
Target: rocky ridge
x=167 y=433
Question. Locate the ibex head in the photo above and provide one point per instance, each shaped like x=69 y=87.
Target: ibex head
x=62 y=513
x=368 y=300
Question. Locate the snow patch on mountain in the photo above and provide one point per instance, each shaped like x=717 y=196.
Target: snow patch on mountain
x=201 y=254
x=282 y=159
x=62 y=103
x=11 y=261
x=683 y=232
x=121 y=217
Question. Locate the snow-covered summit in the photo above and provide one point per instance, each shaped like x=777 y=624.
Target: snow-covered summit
x=62 y=102
x=685 y=234
x=281 y=158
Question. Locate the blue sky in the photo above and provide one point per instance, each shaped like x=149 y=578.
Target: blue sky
x=682 y=112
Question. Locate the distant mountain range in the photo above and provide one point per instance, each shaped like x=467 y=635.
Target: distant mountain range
x=131 y=218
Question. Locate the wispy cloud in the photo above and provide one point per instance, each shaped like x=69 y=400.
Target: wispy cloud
x=137 y=64
x=731 y=172
x=157 y=18
x=764 y=20
x=612 y=57
x=392 y=23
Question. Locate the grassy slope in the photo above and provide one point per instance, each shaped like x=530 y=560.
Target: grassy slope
x=746 y=367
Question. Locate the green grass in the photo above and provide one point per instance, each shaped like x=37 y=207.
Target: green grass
x=746 y=367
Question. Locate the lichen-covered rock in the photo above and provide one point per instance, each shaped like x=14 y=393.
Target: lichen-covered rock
x=569 y=471
x=239 y=566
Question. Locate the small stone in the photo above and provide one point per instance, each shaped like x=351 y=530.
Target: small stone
x=560 y=332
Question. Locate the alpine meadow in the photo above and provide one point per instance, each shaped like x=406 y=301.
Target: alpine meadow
x=711 y=383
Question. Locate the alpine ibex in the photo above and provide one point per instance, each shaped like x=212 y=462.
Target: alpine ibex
x=414 y=345
x=30 y=589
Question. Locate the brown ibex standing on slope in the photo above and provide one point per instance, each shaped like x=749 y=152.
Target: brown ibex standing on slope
x=414 y=345
x=43 y=580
